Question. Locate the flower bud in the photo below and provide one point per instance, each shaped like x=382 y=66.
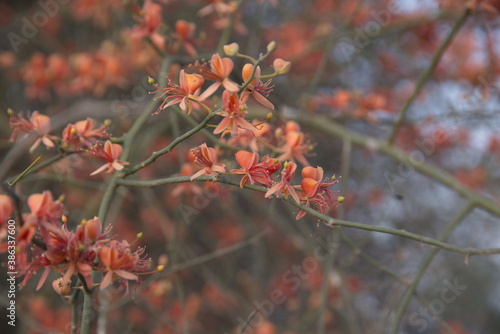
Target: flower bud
x=269 y=115
x=151 y=80
x=340 y=199
x=61 y=287
x=231 y=49
x=94 y=228
x=281 y=66
x=271 y=47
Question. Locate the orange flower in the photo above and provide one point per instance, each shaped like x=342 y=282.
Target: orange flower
x=254 y=171
x=284 y=187
x=234 y=116
x=82 y=134
x=183 y=94
x=219 y=71
x=110 y=153
x=120 y=261
x=295 y=147
x=43 y=209
x=206 y=157
x=5 y=208
x=37 y=126
x=315 y=189
x=259 y=90
x=185 y=37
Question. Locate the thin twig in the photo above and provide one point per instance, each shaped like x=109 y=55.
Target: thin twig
x=425 y=264
x=427 y=73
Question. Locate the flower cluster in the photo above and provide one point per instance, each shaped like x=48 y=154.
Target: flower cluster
x=313 y=188
x=70 y=253
x=82 y=136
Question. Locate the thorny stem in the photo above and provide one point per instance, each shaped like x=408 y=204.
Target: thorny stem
x=170 y=147
x=425 y=263
x=427 y=73
x=74 y=311
x=87 y=310
x=466 y=251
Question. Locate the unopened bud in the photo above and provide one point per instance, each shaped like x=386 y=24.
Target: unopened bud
x=64 y=219
x=269 y=115
x=334 y=178
x=340 y=199
x=151 y=80
x=160 y=267
x=72 y=131
x=281 y=66
x=271 y=47
x=10 y=112
x=231 y=49
x=61 y=198
x=107 y=122
x=63 y=288
x=139 y=235
x=286 y=164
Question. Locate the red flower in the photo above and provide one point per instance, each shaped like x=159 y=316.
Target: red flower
x=206 y=157
x=254 y=171
x=109 y=153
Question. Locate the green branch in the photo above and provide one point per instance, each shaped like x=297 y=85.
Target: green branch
x=467 y=252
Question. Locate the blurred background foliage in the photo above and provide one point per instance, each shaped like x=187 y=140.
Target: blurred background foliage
x=354 y=63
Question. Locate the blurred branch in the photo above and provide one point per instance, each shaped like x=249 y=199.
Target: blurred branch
x=324 y=125
x=358 y=252
x=427 y=73
x=191 y=263
x=226 y=33
x=425 y=264
x=467 y=252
